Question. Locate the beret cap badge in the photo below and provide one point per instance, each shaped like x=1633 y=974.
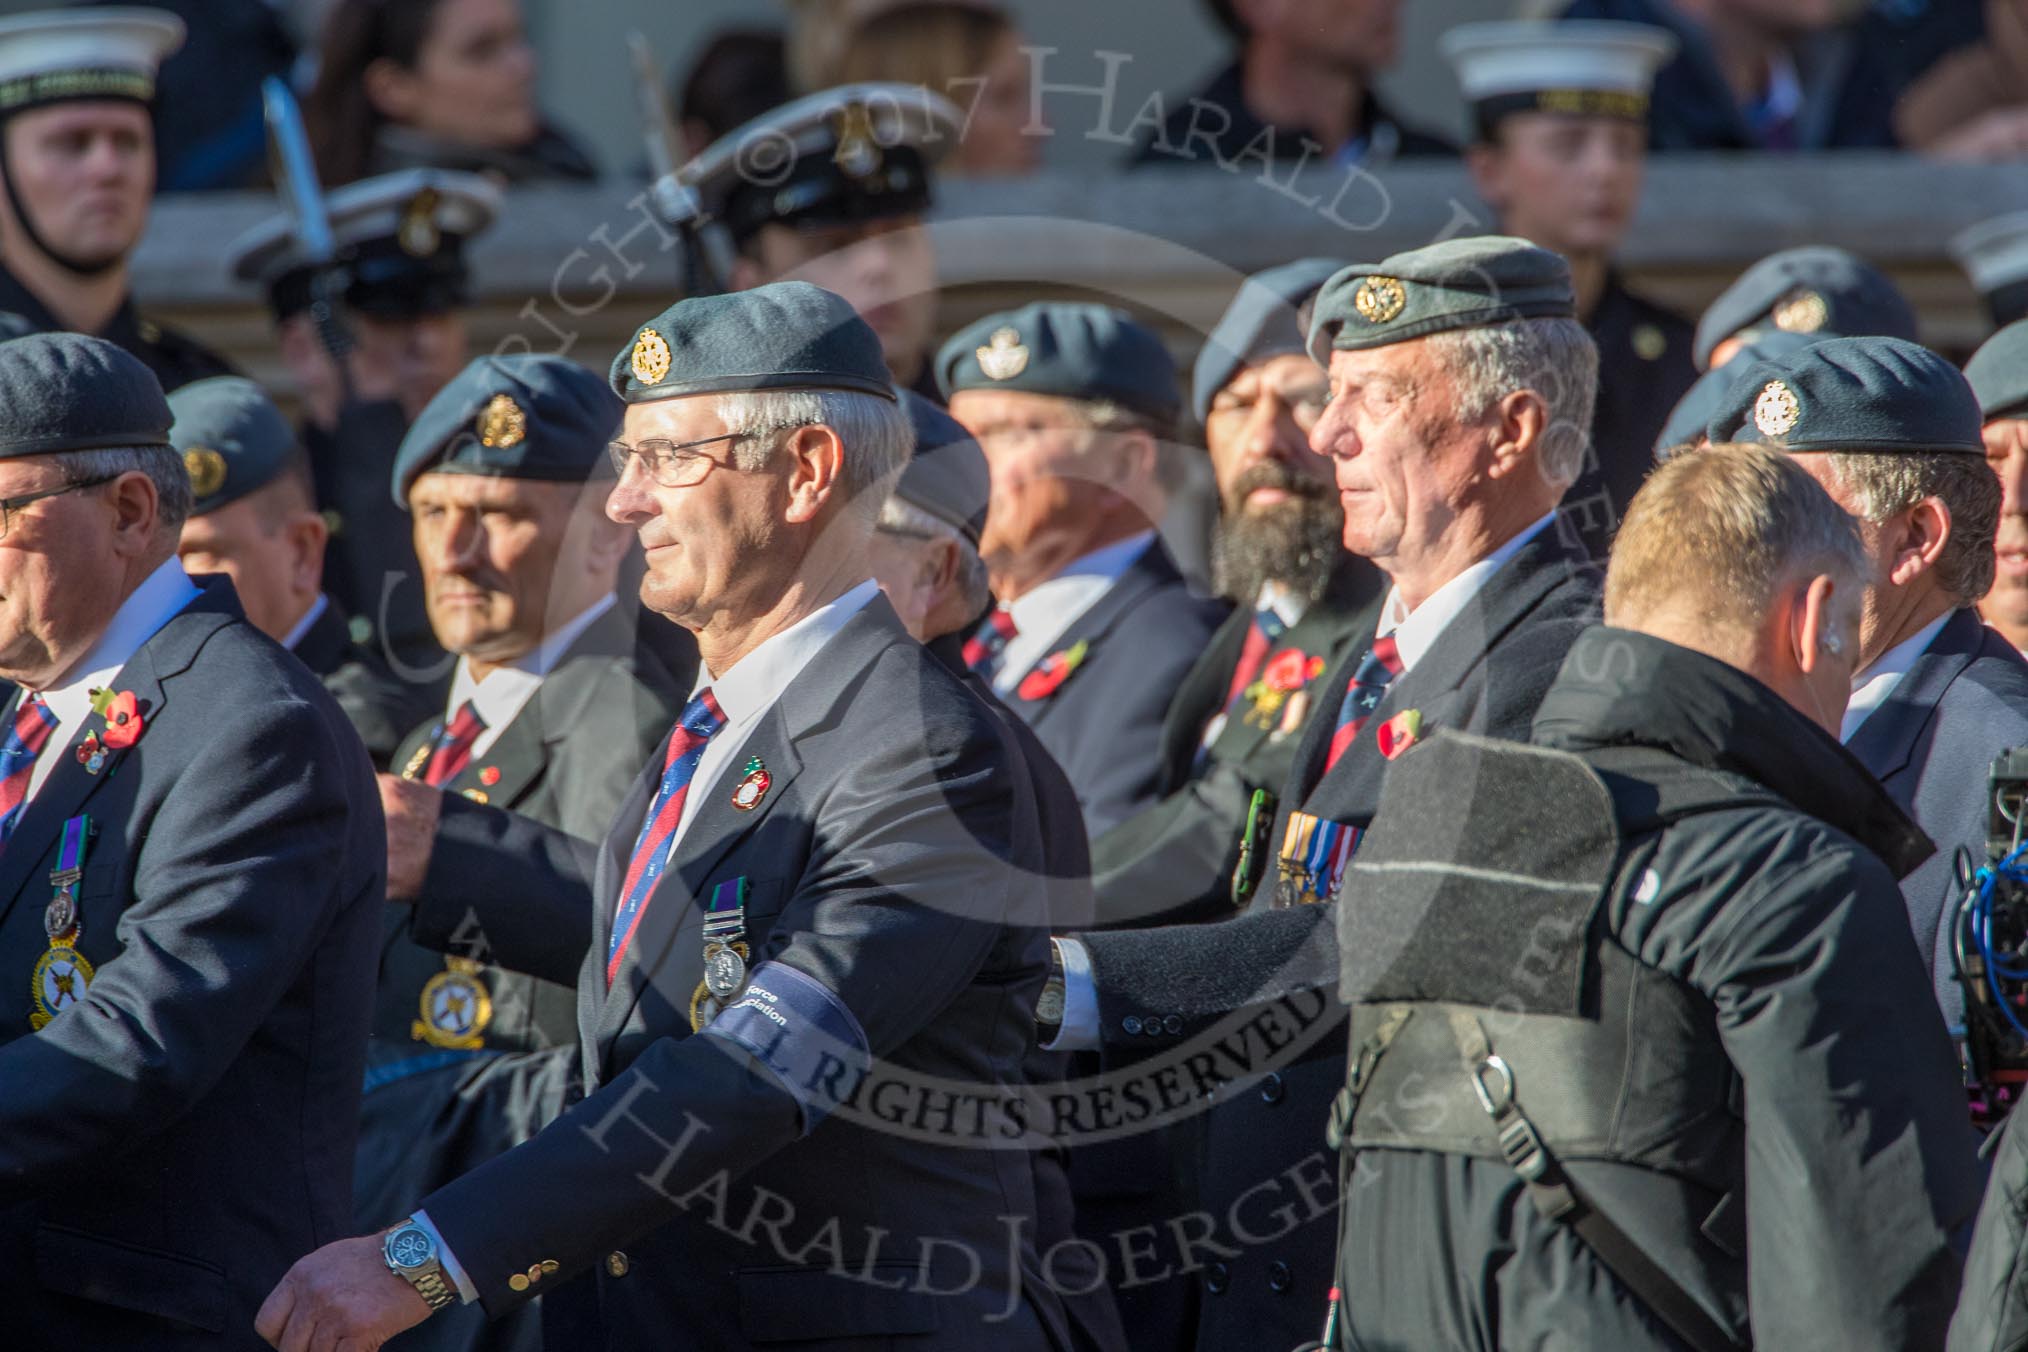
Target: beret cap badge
x=1379 y=299
x=651 y=357
x=1802 y=311
x=1776 y=412
x=206 y=469
x=1004 y=356
x=418 y=234
x=502 y=424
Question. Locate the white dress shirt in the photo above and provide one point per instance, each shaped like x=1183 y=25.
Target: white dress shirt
x=1415 y=632
x=1042 y=615
x=1871 y=687
x=500 y=695
x=302 y=626
x=161 y=596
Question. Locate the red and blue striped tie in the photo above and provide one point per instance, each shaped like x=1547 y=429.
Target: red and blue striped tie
x=33 y=722
x=453 y=751
x=701 y=719
x=1370 y=679
x=982 y=650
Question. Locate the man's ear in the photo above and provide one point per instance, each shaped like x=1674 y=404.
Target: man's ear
x=816 y=473
x=1484 y=163
x=1520 y=431
x=1813 y=627
x=1919 y=537
x=940 y=566
x=390 y=89
x=307 y=536
x=136 y=513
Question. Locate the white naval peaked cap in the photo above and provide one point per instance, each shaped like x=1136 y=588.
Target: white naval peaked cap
x=414 y=207
x=1548 y=58
x=1994 y=253
x=92 y=53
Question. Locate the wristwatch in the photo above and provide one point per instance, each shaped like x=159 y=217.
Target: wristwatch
x=412 y=1256
x=1049 y=1005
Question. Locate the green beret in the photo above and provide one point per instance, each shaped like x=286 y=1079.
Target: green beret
x=1998 y=373
x=522 y=416
x=1465 y=283
x=1067 y=349
x=73 y=392
x=782 y=336
x=1851 y=395
x=233 y=439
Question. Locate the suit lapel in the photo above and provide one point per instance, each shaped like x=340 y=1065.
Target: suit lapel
x=1150 y=570
x=510 y=765
x=1886 y=741
x=1200 y=697
x=324 y=648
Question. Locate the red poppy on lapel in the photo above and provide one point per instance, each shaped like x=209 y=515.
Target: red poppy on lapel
x=1398 y=733
x=1291 y=670
x=122 y=712
x=1052 y=672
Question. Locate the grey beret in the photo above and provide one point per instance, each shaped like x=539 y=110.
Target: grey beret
x=233 y=439
x=947 y=475
x=1459 y=284
x=521 y=416
x=1265 y=320
x=1851 y=395
x=1998 y=373
x=1817 y=289
x=73 y=392
x=782 y=336
x=1066 y=349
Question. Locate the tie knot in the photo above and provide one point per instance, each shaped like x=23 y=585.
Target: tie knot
x=1002 y=620
x=465 y=724
x=701 y=716
x=1387 y=654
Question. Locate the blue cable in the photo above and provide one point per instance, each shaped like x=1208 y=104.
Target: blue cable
x=1982 y=927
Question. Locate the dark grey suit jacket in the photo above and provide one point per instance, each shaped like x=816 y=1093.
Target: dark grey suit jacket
x=171 y=1145
x=891 y=872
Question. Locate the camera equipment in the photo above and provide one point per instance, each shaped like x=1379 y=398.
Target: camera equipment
x=1990 y=945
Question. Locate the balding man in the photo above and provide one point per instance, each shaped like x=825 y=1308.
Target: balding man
x=1694 y=886
x=832 y=859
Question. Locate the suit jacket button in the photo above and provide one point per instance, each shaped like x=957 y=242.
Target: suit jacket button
x=616 y=1264
x=1216 y=1278
x=1131 y=1025
x=1173 y=1025
x=1271 y=1089
x=518 y=1282
x=1279 y=1276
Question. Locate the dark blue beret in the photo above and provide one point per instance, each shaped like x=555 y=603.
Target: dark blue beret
x=1998 y=373
x=1874 y=394
x=1265 y=320
x=1069 y=349
x=73 y=392
x=1817 y=289
x=1693 y=412
x=947 y=475
x=523 y=416
x=233 y=439
x=782 y=336
x=1467 y=283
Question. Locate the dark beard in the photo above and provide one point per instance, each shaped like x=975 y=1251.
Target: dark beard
x=1294 y=544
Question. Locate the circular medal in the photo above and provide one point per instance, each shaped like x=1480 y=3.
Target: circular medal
x=455 y=1007
x=60 y=916
x=58 y=982
x=724 y=970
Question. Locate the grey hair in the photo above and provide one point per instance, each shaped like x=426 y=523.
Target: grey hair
x=162 y=465
x=908 y=518
x=877 y=433
x=1966 y=485
x=1556 y=358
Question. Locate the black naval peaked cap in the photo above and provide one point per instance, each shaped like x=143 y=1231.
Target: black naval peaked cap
x=782 y=336
x=1815 y=289
x=947 y=476
x=1998 y=373
x=73 y=392
x=1265 y=320
x=526 y=415
x=1466 y=283
x=1852 y=395
x=232 y=437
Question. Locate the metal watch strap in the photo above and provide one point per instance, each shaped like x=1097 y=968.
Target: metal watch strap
x=432 y=1286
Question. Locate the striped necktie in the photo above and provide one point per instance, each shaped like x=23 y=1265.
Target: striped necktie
x=983 y=649
x=453 y=751
x=1266 y=631
x=1370 y=679
x=33 y=722
x=701 y=719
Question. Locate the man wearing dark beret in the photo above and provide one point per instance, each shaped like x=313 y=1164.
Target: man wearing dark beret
x=1690 y=420
x=1095 y=627
x=1892 y=432
x=552 y=710
x=190 y=874
x=254 y=519
x=1998 y=374
x=1817 y=290
x=833 y=858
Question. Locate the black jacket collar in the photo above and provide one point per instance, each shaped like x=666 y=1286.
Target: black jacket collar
x=1621 y=688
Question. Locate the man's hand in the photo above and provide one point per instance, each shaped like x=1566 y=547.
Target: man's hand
x=341 y=1296
x=412 y=810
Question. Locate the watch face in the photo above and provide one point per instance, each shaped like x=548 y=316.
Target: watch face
x=409 y=1248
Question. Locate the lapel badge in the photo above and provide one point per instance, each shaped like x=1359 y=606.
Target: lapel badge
x=502 y=424
x=1054 y=670
x=417 y=761
x=1003 y=357
x=753 y=788
x=418 y=234
x=58 y=982
x=1800 y=312
x=858 y=153
x=206 y=469
x=476 y=795
x=1399 y=733
x=1379 y=299
x=91 y=753
x=1776 y=412
x=650 y=361
x=489 y=776
x=122 y=712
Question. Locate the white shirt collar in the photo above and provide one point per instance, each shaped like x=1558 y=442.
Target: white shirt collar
x=1287 y=606
x=317 y=608
x=751 y=685
x=501 y=695
x=1871 y=687
x=1416 y=631
x=1043 y=613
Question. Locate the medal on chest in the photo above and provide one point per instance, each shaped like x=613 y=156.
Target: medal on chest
x=455 y=1008
x=1313 y=857
x=62 y=973
x=726 y=953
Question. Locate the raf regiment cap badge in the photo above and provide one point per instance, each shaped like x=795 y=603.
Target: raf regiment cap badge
x=1801 y=311
x=858 y=152
x=1003 y=357
x=651 y=357
x=418 y=234
x=206 y=469
x=1379 y=299
x=1776 y=412
x=502 y=424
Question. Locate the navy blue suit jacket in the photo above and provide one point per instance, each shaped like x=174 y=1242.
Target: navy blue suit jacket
x=169 y=1146
x=1931 y=744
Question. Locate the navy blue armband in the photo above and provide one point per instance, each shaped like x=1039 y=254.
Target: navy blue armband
x=790 y=1023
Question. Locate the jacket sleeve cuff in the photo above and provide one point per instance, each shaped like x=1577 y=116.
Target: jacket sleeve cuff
x=453 y=1269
